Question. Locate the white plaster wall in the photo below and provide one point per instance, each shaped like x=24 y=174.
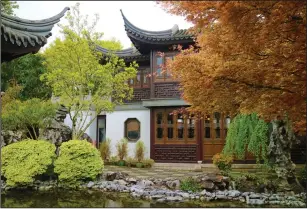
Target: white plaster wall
x=91 y=130
x=115 y=129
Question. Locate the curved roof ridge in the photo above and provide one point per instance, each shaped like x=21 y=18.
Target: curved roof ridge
x=167 y=32
x=124 y=52
x=47 y=21
x=128 y=54
x=28 y=32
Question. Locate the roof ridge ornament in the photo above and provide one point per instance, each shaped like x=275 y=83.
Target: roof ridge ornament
x=175 y=29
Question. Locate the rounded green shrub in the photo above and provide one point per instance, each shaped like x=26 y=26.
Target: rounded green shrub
x=23 y=161
x=78 y=161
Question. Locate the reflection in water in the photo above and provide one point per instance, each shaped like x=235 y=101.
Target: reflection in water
x=90 y=199
x=68 y=199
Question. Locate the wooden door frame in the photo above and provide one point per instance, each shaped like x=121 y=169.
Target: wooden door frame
x=97 y=133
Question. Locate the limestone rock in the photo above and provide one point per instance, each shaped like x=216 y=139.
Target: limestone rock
x=90 y=184
x=110 y=176
x=173 y=184
x=131 y=180
x=120 y=182
x=9 y=137
x=121 y=175
x=145 y=183
x=203 y=192
x=208 y=185
x=234 y=193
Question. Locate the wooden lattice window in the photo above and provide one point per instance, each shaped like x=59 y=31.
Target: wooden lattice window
x=174 y=128
x=160 y=61
x=141 y=80
x=216 y=126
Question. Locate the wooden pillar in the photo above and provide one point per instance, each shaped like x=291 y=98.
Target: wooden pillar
x=152 y=134
x=200 y=129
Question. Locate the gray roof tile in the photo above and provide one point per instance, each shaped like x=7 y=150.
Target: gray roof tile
x=24 y=32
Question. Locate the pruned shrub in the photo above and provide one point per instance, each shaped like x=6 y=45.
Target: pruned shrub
x=23 y=161
x=222 y=161
x=105 y=150
x=148 y=163
x=131 y=162
x=139 y=151
x=122 y=149
x=78 y=161
x=189 y=184
x=114 y=160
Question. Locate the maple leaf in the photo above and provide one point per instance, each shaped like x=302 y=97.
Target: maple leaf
x=249 y=57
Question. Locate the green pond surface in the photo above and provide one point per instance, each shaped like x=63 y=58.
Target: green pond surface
x=85 y=199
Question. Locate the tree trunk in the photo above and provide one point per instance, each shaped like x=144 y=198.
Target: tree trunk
x=279 y=153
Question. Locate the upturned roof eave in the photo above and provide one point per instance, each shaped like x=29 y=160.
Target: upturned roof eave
x=164 y=37
x=127 y=54
x=20 y=36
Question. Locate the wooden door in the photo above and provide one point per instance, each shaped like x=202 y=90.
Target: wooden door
x=213 y=134
x=101 y=130
x=174 y=137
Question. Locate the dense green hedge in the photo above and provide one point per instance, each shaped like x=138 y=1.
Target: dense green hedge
x=78 y=161
x=23 y=161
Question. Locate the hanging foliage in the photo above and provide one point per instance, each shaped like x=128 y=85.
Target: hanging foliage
x=247 y=133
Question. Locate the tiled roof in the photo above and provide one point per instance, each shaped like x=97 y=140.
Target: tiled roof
x=172 y=35
x=27 y=33
x=127 y=54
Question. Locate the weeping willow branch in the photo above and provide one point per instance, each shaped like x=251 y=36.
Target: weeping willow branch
x=247 y=133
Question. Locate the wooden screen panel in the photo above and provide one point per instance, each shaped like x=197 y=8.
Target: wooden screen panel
x=192 y=130
x=216 y=142
x=158 y=62
x=158 y=126
x=170 y=126
x=162 y=74
x=146 y=78
x=174 y=129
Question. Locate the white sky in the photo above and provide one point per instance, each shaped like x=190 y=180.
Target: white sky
x=143 y=14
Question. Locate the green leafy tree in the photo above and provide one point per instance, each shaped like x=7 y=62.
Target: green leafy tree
x=22 y=161
x=112 y=44
x=248 y=133
x=11 y=94
x=25 y=71
x=80 y=25
x=78 y=79
x=30 y=115
x=8 y=7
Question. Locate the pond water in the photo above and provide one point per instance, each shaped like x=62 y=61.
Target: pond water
x=85 y=199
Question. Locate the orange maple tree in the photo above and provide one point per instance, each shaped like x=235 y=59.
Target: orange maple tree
x=250 y=56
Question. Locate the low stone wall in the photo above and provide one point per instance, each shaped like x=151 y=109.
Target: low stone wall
x=215 y=188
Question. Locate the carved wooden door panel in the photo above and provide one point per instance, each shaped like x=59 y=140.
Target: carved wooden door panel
x=174 y=137
x=214 y=134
